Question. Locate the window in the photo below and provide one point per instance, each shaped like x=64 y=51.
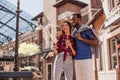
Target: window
x=41 y=67
x=118 y=39
x=113 y=4
x=113 y=51
x=49 y=71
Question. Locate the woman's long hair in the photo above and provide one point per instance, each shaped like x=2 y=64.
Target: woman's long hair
x=69 y=24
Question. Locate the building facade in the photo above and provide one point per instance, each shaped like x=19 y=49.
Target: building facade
x=110 y=50
x=104 y=20
x=47 y=22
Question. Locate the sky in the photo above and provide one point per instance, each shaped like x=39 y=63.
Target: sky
x=32 y=7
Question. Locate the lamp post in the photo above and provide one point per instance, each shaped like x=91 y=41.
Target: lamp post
x=16 y=66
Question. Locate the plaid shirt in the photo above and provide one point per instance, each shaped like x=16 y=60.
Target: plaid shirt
x=61 y=46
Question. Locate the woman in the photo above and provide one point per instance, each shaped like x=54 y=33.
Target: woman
x=64 y=50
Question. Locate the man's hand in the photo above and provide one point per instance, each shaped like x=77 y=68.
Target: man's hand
x=79 y=36
x=92 y=42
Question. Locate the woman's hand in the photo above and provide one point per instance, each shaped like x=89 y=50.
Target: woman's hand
x=68 y=43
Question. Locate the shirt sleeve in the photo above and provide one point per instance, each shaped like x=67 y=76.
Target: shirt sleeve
x=73 y=43
x=90 y=34
x=59 y=47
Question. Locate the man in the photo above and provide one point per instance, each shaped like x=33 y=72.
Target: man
x=85 y=39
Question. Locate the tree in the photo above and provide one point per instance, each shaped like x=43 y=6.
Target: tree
x=28 y=49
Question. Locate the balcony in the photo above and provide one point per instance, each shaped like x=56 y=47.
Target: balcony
x=113 y=18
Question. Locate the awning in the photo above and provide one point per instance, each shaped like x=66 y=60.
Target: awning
x=48 y=54
x=8 y=22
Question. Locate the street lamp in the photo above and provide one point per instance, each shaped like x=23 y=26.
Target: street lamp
x=16 y=66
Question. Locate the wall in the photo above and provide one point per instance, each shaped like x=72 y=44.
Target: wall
x=108 y=32
x=50 y=13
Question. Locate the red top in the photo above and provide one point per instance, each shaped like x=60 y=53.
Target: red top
x=61 y=46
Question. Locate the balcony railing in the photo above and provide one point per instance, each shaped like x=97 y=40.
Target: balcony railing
x=114 y=16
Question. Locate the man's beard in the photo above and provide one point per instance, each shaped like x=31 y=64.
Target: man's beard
x=75 y=25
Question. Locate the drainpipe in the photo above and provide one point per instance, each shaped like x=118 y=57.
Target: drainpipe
x=118 y=60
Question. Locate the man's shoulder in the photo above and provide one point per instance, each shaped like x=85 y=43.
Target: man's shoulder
x=83 y=28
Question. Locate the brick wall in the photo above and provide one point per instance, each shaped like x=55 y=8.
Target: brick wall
x=45 y=62
x=95 y=4
x=85 y=19
x=73 y=8
x=68 y=7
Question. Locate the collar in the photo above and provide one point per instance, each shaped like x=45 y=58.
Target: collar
x=83 y=28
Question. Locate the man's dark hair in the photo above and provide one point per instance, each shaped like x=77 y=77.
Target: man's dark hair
x=78 y=15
